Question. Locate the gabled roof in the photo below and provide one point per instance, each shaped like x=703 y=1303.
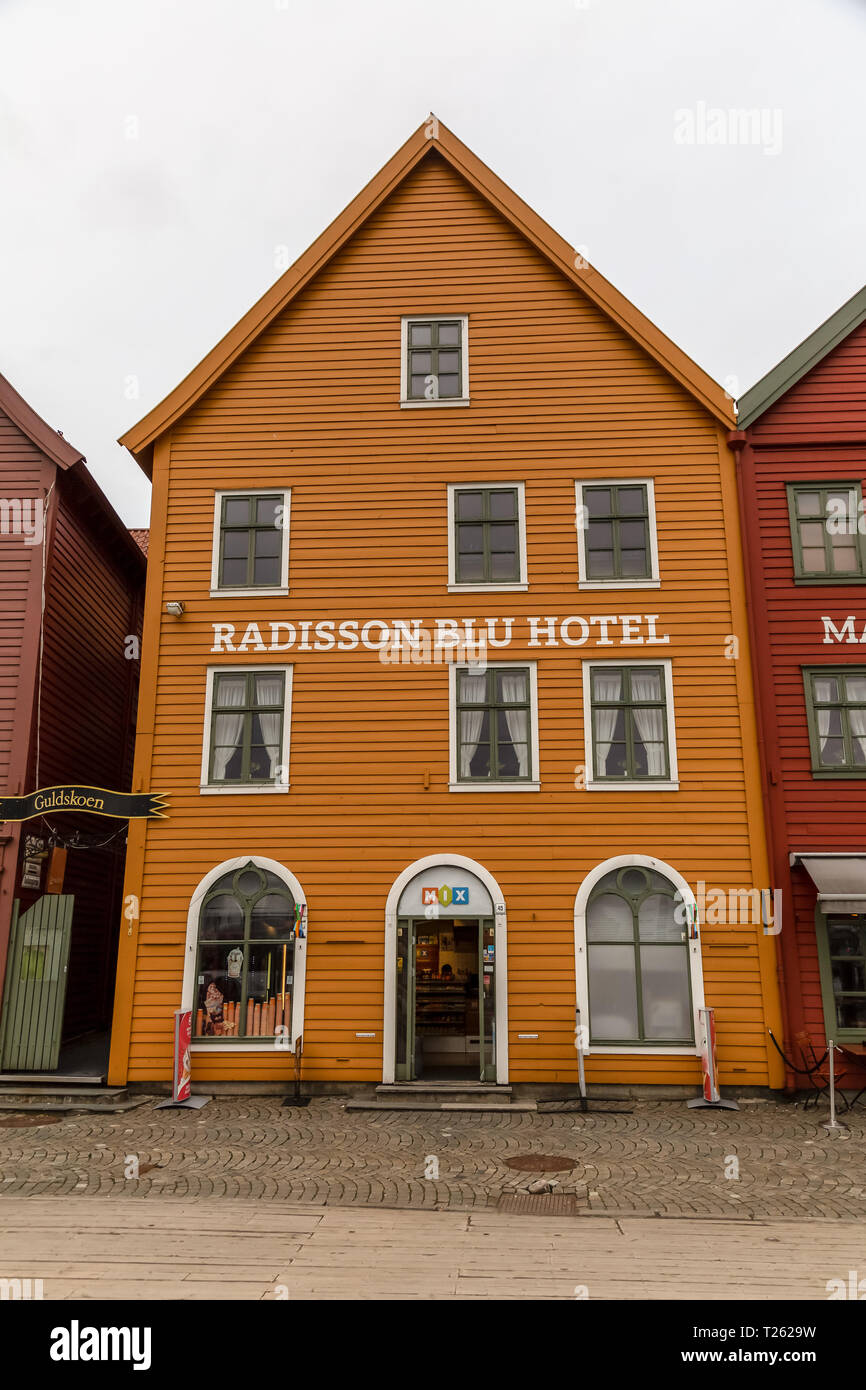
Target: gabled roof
x=140 y=439
x=49 y=441
x=804 y=357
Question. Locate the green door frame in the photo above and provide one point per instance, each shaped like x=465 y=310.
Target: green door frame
x=405 y=1071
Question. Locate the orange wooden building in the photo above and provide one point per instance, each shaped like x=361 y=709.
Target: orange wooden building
x=446 y=674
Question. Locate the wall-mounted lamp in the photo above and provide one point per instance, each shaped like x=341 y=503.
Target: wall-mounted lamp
x=175 y=609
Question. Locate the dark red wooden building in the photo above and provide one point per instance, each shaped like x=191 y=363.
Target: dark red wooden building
x=71 y=591
x=802 y=463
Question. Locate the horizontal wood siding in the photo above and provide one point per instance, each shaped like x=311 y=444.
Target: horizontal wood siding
x=558 y=393
x=87 y=732
x=20 y=478
x=828 y=403
x=806 y=437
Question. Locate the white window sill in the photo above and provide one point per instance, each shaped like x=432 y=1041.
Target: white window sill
x=494 y=786
x=636 y=1051
x=250 y=593
x=242 y=1047
x=632 y=786
x=428 y=405
x=516 y=588
x=616 y=584
x=245 y=790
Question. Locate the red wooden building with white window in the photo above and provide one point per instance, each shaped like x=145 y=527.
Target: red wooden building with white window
x=802 y=464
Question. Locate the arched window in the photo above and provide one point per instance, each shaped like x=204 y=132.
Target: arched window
x=637 y=948
x=244 y=976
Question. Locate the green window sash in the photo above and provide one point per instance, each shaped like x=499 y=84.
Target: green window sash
x=252 y=537
x=629 y=714
x=434 y=359
x=836 y=718
x=826 y=537
x=487 y=535
x=616 y=537
x=494 y=725
x=842 y=963
x=246 y=719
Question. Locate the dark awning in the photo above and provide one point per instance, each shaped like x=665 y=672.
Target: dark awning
x=839 y=878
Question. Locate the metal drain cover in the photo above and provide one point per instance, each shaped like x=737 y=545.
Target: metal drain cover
x=540 y=1204
x=540 y=1163
x=23 y=1121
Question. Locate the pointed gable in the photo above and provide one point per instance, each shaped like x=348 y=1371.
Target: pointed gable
x=478 y=233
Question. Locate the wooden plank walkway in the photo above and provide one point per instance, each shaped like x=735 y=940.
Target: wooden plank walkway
x=174 y=1249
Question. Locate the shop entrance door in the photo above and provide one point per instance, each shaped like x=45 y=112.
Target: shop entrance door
x=446 y=1000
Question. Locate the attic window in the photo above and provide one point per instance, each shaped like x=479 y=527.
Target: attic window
x=435 y=366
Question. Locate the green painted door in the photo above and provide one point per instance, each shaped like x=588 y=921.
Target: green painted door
x=35 y=991
x=487 y=1000
x=405 y=1054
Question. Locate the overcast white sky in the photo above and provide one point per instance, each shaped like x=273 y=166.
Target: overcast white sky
x=153 y=153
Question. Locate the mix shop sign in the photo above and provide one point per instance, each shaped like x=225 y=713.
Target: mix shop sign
x=399 y=635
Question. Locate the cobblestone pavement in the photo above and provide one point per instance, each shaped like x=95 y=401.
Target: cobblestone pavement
x=658 y=1159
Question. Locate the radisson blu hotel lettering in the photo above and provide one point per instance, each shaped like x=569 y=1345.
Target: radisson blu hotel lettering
x=607 y=630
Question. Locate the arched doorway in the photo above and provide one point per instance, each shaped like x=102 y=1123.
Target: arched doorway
x=446 y=974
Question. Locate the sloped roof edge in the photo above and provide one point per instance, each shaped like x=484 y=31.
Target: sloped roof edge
x=141 y=437
x=801 y=360
x=58 y=449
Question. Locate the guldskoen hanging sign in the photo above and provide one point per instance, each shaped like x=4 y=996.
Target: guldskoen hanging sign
x=397 y=637
x=95 y=800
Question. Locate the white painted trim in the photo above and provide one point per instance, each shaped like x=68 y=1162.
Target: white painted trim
x=514 y=586
x=500 y=920
x=494 y=786
x=432 y=405
x=299 y=969
x=246 y=788
x=463 y=398
x=671 y=783
x=259 y=591
x=248 y=593
x=487 y=588
x=534 y=783
x=653 y=581
x=640 y=861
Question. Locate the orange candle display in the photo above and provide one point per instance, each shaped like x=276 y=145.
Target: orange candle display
x=257 y=1020
x=250 y=1016
x=199 y=1019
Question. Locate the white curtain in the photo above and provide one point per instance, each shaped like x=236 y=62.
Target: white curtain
x=269 y=691
x=650 y=723
x=228 y=728
x=472 y=688
x=517 y=720
x=857 y=722
x=605 y=686
x=825 y=732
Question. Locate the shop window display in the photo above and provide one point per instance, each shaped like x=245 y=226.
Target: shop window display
x=244 y=968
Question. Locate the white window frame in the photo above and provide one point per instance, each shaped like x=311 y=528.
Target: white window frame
x=230 y=866
x=510 y=586
x=671 y=784
x=257 y=590
x=246 y=788
x=463 y=398
x=653 y=582
x=581 y=960
x=534 y=784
